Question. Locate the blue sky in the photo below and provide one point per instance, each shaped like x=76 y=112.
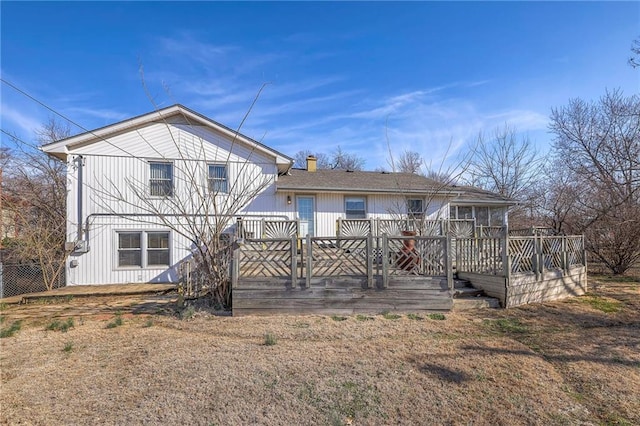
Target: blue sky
x=364 y=75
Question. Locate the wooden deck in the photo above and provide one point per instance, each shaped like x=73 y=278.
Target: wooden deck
x=340 y=295
x=92 y=291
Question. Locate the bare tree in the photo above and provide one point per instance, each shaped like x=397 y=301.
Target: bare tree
x=338 y=160
x=344 y=161
x=508 y=165
x=634 y=60
x=300 y=159
x=599 y=144
x=34 y=197
x=410 y=162
x=440 y=178
x=504 y=164
x=555 y=198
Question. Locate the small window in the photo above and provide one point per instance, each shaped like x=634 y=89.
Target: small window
x=157 y=248
x=497 y=216
x=218 y=182
x=129 y=249
x=161 y=179
x=355 y=208
x=482 y=216
x=465 y=212
x=414 y=207
x=453 y=212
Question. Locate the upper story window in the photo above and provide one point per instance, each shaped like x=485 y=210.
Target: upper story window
x=160 y=179
x=355 y=208
x=218 y=179
x=415 y=207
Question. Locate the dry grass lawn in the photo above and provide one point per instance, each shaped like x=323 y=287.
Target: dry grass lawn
x=570 y=362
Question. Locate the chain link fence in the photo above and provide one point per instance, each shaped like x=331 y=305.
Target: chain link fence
x=21 y=278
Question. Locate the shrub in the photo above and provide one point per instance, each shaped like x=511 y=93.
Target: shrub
x=270 y=339
x=13 y=329
x=388 y=315
x=117 y=321
x=64 y=326
x=364 y=318
x=437 y=316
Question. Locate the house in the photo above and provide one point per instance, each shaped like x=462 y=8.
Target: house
x=133 y=185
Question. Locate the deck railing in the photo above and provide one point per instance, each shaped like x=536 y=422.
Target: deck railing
x=518 y=255
x=379 y=259
x=374 y=260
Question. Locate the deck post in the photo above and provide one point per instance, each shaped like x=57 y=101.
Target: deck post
x=370 y=255
x=263 y=233
x=564 y=258
x=385 y=261
x=538 y=267
x=448 y=261
x=235 y=268
x=506 y=259
x=294 y=261
x=239 y=226
x=309 y=262
x=339 y=227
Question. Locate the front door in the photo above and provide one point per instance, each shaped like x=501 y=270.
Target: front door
x=306 y=214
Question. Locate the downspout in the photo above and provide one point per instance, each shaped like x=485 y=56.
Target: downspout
x=80 y=163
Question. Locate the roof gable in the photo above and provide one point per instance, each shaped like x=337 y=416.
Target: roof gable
x=175 y=114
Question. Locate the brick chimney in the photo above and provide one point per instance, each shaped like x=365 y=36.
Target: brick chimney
x=312 y=163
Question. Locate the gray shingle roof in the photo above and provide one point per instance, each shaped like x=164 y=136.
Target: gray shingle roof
x=378 y=182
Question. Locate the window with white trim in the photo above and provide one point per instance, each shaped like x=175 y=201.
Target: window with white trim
x=415 y=208
x=143 y=249
x=160 y=179
x=355 y=207
x=218 y=180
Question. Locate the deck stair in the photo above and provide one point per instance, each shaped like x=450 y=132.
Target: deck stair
x=466 y=297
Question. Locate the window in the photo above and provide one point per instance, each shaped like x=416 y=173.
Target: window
x=161 y=179
x=482 y=216
x=414 y=207
x=157 y=248
x=465 y=212
x=129 y=249
x=143 y=249
x=355 y=208
x=497 y=216
x=218 y=182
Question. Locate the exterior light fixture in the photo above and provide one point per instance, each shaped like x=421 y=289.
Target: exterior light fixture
x=288 y=199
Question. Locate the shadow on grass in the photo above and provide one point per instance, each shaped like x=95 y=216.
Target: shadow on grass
x=444 y=373
x=553 y=358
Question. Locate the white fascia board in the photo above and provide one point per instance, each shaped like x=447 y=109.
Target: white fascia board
x=65 y=145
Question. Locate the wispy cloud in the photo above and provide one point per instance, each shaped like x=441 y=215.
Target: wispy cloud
x=27 y=123
x=103 y=114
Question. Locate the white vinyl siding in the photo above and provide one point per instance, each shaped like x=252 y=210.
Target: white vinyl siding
x=218 y=179
x=355 y=207
x=160 y=179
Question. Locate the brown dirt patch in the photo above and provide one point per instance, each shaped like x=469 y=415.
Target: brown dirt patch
x=556 y=363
